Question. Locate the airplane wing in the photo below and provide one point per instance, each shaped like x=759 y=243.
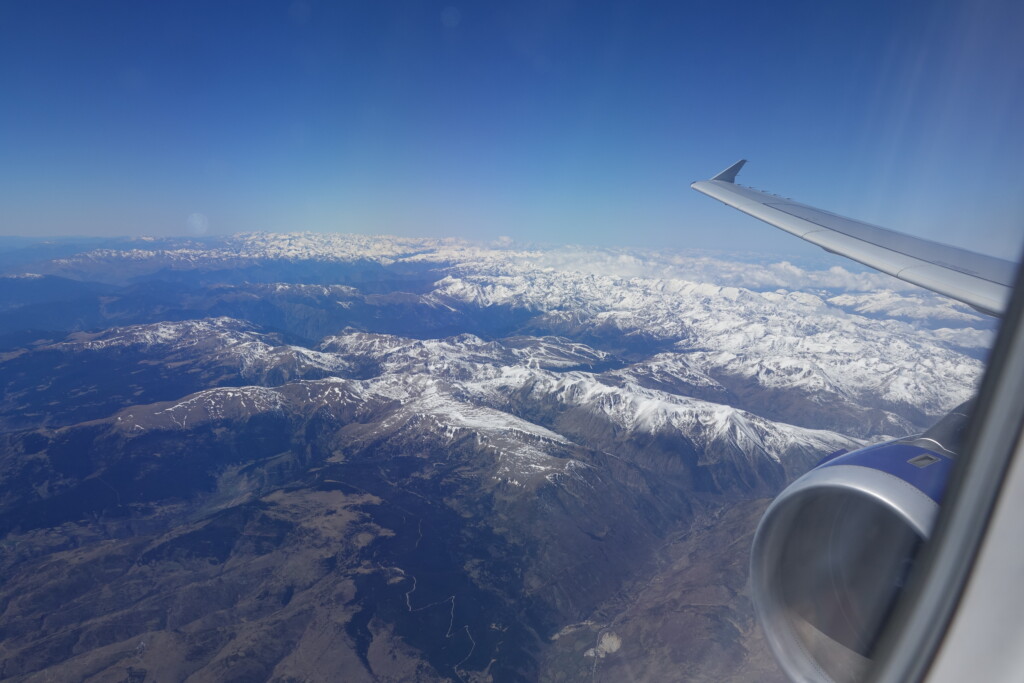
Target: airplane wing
x=980 y=281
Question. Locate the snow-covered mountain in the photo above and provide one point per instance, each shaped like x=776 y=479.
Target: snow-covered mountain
x=422 y=451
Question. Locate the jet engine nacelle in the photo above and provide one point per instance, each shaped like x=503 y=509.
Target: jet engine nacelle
x=833 y=550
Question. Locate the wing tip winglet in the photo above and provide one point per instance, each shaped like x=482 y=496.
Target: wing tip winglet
x=729 y=174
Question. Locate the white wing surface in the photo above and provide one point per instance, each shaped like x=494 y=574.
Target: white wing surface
x=980 y=281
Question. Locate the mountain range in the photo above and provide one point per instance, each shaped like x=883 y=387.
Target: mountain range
x=369 y=458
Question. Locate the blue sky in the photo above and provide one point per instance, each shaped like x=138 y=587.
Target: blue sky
x=544 y=121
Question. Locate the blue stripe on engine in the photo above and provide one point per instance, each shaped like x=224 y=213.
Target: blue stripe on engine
x=893 y=458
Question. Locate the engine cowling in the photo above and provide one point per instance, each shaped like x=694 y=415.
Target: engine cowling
x=834 y=549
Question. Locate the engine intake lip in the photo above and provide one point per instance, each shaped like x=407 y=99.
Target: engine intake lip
x=815 y=515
